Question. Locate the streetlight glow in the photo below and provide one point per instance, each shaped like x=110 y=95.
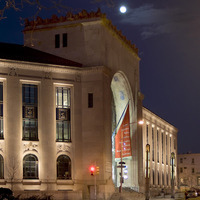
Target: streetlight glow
x=141 y=122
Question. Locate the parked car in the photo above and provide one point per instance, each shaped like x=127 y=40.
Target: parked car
x=191 y=193
x=198 y=192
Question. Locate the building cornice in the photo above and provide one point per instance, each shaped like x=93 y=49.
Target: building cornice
x=13 y=64
x=150 y=116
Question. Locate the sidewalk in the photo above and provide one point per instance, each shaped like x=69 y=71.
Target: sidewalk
x=178 y=196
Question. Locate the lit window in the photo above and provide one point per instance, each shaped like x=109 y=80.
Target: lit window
x=29 y=109
x=198 y=180
x=30 y=167
x=63 y=167
x=63 y=121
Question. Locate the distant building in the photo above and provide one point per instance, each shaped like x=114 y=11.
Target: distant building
x=64 y=96
x=189 y=171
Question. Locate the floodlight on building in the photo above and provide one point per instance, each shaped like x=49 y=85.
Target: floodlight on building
x=140 y=122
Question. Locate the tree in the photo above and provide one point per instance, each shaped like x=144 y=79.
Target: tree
x=12 y=170
x=38 y=6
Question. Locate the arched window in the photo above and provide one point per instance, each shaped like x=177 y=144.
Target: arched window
x=1 y=167
x=63 y=167
x=30 y=167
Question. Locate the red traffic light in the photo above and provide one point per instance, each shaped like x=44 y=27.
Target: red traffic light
x=92 y=169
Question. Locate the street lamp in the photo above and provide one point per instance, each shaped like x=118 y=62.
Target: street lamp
x=172 y=174
x=147 y=171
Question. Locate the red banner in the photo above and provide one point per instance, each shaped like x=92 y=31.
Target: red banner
x=122 y=138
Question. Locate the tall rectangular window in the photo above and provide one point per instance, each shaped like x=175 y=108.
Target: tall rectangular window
x=157 y=145
x=90 y=100
x=57 y=41
x=1 y=111
x=63 y=113
x=162 y=147
x=174 y=143
x=153 y=178
x=167 y=179
x=153 y=143
x=147 y=132
x=166 y=152
x=170 y=145
x=64 y=39
x=30 y=112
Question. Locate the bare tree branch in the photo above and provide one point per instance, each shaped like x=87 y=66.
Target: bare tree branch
x=39 y=5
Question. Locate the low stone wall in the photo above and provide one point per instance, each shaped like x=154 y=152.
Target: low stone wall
x=57 y=195
x=127 y=194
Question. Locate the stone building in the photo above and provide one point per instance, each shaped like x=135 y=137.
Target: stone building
x=162 y=138
x=63 y=97
x=189 y=171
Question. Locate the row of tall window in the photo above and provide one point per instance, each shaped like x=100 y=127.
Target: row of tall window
x=30 y=113
x=158 y=179
x=159 y=139
x=30 y=167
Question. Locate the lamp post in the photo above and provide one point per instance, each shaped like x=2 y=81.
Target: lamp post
x=172 y=174
x=147 y=171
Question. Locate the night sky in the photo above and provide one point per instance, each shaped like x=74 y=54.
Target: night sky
x=167 y=34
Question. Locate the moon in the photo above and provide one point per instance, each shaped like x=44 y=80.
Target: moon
x=123 y=9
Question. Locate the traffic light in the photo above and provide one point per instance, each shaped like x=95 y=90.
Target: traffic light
x=92 y=169
x=97 y=170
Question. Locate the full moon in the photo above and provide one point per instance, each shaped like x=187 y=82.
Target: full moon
x=122 y=9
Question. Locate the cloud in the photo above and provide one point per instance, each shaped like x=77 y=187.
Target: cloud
x=156 y=21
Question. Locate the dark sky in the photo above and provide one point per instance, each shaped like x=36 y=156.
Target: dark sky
x=167 y=34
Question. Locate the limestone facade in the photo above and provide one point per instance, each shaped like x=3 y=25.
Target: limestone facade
x=162 y=138
x=58 y=120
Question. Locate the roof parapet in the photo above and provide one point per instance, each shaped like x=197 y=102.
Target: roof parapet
x=31 y=25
